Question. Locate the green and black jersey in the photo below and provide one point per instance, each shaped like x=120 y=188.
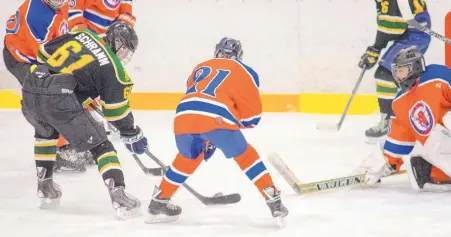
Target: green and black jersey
x=96 y=68
x=391 y=24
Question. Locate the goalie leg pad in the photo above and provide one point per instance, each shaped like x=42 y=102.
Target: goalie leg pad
x=437 y=149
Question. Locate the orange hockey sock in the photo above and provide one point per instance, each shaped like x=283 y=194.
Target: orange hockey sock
x=61 y=142
x=178 y=173
x=254 y=169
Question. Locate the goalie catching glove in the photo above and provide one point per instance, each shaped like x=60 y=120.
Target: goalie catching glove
x=135 y=141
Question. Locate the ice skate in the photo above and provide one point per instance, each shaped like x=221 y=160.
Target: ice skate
x=69 y=161
x=274 y=202
x=125 y=205
x=162 y=209
x=379 y=130
x=48 y=191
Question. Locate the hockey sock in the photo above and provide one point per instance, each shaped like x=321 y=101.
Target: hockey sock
x=255 y=170
x=386 y=89
x=108 y=163
x=178 y=173
x=45 y=154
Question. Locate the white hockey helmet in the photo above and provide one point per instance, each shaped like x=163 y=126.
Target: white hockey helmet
x=56 y=4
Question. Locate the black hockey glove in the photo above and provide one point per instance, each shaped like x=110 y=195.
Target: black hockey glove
x=369 y=59
x=135 y=141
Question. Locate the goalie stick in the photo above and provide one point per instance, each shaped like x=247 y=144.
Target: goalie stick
x=313 y=187
x=217 y=199
x=337 y=126
x=406 y=13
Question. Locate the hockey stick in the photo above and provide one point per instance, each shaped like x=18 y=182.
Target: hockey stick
x=152 y=171
x=336 y=127
x=313 y=187
x=217 y=199
x=406 y=12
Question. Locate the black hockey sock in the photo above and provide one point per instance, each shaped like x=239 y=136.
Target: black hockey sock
x=45 y=155
x=108 y=163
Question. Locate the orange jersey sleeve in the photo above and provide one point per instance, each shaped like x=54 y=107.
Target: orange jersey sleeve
x=76 y=19
x=98 y=15
x=34 y=23
x=221 y=94
x=399 y=142
x=247 y=97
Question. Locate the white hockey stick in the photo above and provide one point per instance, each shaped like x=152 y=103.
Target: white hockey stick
x=337 y=126
x=410 y=19
x=313 y=187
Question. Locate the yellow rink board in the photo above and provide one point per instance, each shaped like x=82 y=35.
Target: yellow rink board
x=305 y=102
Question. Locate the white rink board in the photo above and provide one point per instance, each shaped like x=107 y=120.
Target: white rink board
x=295 y=46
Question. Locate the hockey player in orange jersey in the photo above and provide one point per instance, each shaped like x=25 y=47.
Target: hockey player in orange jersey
x=222 y=97
x=98 y=15
x=420 y=115
x=34 y=23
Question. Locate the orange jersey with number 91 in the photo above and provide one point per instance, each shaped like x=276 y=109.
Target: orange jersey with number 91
x=221 y=94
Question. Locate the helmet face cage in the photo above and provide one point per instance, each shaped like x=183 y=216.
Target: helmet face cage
x=229 y=48
x=56 y=4
x=407 y=67
x=123 y=41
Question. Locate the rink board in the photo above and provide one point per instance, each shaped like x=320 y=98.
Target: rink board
x=306 y=102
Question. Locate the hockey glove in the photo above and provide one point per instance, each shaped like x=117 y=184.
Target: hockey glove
x=127 y=18
x=209 y=150
x=135 y=141
x=369 y=59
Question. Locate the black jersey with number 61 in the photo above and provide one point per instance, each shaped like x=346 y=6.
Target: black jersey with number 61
x=96 y=68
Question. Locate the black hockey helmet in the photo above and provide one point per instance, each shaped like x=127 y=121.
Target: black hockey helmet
x=122 y=39
x=407 y=67
x=229 y=48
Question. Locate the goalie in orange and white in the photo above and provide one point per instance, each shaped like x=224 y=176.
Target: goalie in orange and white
x=418 y=137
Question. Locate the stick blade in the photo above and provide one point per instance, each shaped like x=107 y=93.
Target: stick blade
x=327 y=127
x=222 y=199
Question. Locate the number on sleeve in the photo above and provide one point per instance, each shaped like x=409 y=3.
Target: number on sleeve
x=202 y=73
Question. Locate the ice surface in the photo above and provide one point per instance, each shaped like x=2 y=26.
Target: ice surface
x=393 y=209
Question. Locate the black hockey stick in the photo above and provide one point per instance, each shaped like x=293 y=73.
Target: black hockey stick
x=217 y=199
x=337 y=126
x=406 y=13
x=151 y=171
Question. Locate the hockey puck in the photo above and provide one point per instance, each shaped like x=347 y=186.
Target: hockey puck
x=218 y=194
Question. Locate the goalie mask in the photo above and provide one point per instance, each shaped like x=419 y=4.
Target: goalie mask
x=407 y=67
x=56 y=4
x=229 y=48
x=122 y=39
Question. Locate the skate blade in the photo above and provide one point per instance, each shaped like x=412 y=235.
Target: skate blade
x=124 y=214
x=155 y=219
x=49 y=204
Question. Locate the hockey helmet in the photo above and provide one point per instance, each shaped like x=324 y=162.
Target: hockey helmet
x=123 y=40
x=229 y=48
x=407 y=67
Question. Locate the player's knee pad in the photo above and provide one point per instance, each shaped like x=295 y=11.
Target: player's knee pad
x=101 y=149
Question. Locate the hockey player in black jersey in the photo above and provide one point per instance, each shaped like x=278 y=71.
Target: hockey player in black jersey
x=76 y=67
x=392 y=28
